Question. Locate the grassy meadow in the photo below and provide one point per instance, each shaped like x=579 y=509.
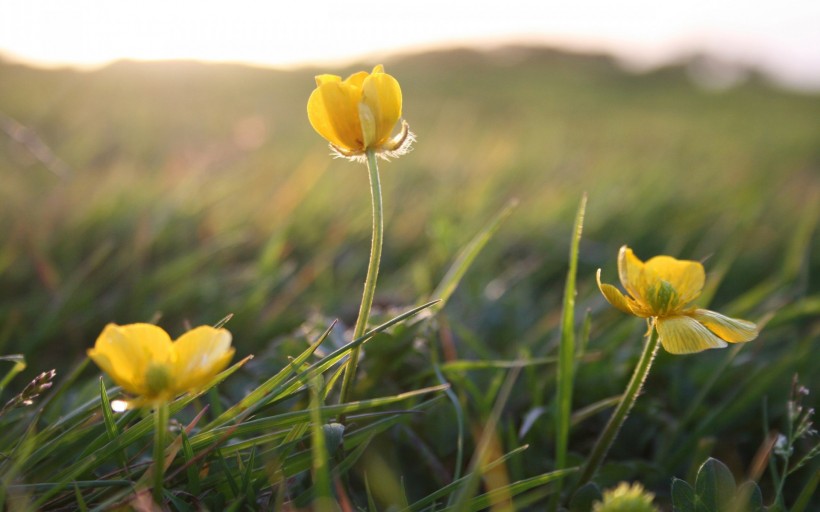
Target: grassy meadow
x=179 y=193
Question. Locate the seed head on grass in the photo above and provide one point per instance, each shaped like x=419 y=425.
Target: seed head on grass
x=142 y=359
x=663 y=288
x=360 y=113
x=33 y=389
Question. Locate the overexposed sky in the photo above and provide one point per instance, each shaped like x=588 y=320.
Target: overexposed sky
x=782 y=36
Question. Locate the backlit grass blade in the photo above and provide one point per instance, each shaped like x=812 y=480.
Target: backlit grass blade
x=478 y=463
x=259 y=394
x=488 y=499
x=458 y=483
x=566 y=352
x=804 y=498
x=19 y=364
x=322 y=496
x=459 y=423
x=81 y=505
x=468 y=254
x=288 y=419
x=134 y=433
x=111 y=427
x=192 y=470
x=337 y=355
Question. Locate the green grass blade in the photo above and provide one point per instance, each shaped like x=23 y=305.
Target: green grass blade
x=322 y=495
x=191 y=471
x=19 y=365
x=804 y=498
x=138 y=431
x=467 y=255
x=459 y=423
x=259 y=394
x=81 y=505
x=458 y=483
x=478 y=463
x=288 y=419
x=566 y=352
x=228 y=474
x=487 y=500
x=111 y=428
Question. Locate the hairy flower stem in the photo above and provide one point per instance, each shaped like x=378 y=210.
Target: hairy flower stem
x=606 y=438
x=372 y=275
x=160 y=431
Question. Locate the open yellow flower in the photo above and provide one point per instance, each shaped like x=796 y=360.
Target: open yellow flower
x=142 y=359
x=359 y=114
x=663 y=288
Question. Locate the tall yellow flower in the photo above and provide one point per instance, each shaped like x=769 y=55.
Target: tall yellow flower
x=142 y=359
x=359 y=114
x=663 y=288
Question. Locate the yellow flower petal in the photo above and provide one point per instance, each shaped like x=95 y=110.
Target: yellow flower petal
x=322 y=79
x=360 y=113
x=382 y=95
x=613 y=295
x=732 y=330
x=124 y=353
x=355 y=81
x=201 y=353
x=143 y=360
x=685 y=276
x=685 y=335
x=630 y=270
x=333 y=111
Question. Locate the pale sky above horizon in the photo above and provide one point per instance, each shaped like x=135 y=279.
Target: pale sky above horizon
x=782 y=37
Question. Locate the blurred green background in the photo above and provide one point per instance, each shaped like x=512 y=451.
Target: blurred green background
x=193 y=191
x=181 y=192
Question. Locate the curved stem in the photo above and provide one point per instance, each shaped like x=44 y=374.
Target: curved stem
x=606 y=438
x=160 y=429
x=372 y=275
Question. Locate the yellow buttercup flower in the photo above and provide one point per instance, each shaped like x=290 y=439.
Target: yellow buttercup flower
x=359 y=114
x=663 y=288
x=626 y=498
x=142 y=359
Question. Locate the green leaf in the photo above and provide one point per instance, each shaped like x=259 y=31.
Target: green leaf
x=584 y=497
x=333 y=436
x=714 y=486
x=748 y=498
x=683 y=496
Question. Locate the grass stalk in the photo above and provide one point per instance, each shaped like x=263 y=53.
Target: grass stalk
x=566 y=354
x=618 y=417
x=372 y=274
x=160 y=431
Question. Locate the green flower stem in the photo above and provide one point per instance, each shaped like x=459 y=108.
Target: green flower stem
x=372 y=275
x=160 y=431
x=606 y=438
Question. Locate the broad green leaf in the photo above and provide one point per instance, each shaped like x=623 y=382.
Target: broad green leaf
x=584 y=497
x=683 y=496
x=714 y=487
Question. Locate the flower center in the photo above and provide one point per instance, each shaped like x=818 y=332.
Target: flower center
x=663 y=298
x=368 y=121
x=157 y=378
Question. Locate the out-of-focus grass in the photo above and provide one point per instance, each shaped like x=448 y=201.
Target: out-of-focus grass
x=194 y=191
